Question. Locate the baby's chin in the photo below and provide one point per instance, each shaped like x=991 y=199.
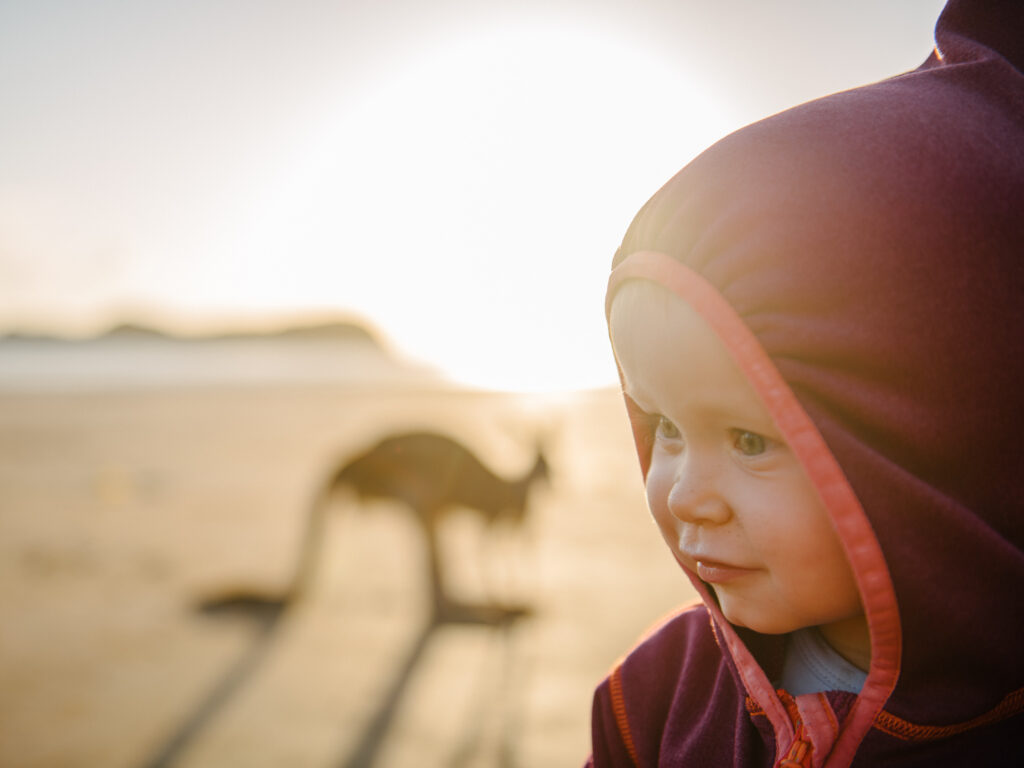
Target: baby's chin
x=759 y=621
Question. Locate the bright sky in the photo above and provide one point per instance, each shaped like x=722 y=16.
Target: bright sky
x=458 y=173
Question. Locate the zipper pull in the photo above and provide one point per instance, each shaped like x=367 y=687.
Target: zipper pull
x=799 y=755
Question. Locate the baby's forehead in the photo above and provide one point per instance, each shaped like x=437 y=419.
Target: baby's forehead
x=666 y=317
x=658 y=336
x=639 y=295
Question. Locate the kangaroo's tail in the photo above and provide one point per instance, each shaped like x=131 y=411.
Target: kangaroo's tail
x=307 y=561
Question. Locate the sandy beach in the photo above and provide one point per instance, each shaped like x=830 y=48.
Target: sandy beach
x=122 y=510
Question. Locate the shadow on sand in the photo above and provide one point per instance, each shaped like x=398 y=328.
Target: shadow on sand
x=268 y=613
x=500 y=620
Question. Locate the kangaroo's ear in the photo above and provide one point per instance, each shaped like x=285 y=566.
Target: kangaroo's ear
x=547 y=437
x=542 y=466
x=541 y=449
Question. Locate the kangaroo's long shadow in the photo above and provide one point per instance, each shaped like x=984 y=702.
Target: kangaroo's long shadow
x=375 y=733
x=267 y=612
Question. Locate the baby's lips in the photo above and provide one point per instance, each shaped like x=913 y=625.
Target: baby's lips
x=717 y=572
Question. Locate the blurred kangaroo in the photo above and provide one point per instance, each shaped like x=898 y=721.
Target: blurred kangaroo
x=432 y=475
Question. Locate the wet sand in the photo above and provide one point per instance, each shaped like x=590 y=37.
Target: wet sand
x=121 y=511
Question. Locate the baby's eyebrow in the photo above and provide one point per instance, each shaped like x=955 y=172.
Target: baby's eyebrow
x=762 y=423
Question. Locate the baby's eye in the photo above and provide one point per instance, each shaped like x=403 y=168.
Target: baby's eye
x=667 y=429
x=749 y=443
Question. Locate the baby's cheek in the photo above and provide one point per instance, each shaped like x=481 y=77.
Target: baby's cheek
x=657 y=489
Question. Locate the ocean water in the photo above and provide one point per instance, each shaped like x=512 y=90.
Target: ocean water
x=120 y=362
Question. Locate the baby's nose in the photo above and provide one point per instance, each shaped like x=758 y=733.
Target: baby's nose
x=696 y=498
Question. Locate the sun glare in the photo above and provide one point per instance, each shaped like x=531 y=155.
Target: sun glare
x=470 y=204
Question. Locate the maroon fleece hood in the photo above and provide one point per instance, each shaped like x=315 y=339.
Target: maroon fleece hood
x=862 y=256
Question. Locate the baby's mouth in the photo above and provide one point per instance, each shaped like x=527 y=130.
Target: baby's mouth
x=716 y=572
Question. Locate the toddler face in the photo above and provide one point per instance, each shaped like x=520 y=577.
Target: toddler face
x=732 y=501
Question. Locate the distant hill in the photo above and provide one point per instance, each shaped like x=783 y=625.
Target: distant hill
x=130 y=355
x=341 y=331
x=327 y=331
